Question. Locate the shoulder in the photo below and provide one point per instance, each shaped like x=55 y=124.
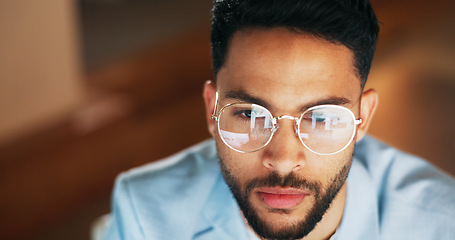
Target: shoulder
x=411 y=193
x=403 y=176
x=188 y=163
x=178 y=174
x=155 y=195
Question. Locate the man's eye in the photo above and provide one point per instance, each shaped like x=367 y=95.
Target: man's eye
x=319 y=119
x=243 y=113
x=246 y=113
x=316 y=117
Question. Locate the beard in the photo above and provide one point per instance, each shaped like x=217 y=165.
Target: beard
x=294 y=230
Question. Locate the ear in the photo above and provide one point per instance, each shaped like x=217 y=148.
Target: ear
x=368 y=104
x=209 y=95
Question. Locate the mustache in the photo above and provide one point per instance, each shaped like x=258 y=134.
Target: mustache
x=276 y=180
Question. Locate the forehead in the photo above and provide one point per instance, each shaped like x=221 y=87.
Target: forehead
x=284 y=68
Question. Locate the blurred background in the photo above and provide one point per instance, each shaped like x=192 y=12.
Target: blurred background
x=91 y=88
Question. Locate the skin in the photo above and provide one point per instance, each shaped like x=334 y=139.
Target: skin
x=289 y=72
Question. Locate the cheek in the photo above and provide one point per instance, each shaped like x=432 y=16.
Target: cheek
x=326 y=168
x=342 y=166
x=241 y=166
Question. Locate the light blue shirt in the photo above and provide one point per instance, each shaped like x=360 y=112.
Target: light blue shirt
x=390 y=195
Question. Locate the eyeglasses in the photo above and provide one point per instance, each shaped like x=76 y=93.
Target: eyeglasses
x=323 y=129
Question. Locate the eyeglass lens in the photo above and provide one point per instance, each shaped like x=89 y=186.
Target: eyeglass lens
x=324 y=129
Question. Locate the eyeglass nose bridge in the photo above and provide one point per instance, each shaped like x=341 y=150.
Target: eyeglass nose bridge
x=292 y=118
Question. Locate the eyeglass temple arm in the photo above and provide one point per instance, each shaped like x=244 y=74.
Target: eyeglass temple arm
x=214 y=117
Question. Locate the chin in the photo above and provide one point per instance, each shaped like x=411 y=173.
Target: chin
x=279 y=223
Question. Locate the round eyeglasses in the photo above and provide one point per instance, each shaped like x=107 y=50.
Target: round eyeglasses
x=323 y=129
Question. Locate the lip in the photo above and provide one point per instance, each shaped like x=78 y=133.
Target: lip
x=281 y=198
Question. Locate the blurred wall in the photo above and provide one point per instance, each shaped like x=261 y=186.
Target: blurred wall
x=39 y=65
x=414 y=73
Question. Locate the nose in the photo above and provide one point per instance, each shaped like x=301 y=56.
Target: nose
x=285 y=152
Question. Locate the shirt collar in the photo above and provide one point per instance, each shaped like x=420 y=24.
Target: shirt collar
x=222 y=215
x=360 y=217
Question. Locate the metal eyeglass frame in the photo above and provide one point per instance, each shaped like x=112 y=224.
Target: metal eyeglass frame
x=275 y=127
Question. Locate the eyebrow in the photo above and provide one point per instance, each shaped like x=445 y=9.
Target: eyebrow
x=330 y=100
x=245 y=97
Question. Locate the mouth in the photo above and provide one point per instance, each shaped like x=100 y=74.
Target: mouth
x=281 y=198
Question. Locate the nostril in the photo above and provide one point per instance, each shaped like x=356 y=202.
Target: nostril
x=297 y=167
x=268 y=164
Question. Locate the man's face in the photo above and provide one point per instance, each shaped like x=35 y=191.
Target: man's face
x=284 y=189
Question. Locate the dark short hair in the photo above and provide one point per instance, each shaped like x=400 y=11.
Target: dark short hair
x=351 y=23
